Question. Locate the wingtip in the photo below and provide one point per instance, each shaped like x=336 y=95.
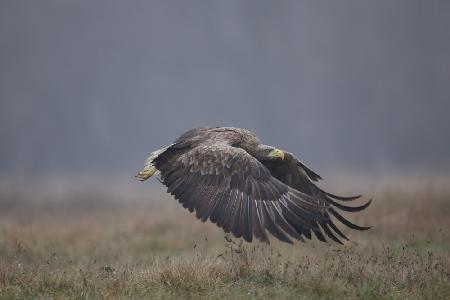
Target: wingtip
x=349 y=208
x=343 y=198
x=365 y=228
x=347 y=222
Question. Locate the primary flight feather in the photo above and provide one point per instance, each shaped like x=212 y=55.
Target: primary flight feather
x=226 y=175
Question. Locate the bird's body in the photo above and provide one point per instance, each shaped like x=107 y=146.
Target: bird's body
x=226 y=175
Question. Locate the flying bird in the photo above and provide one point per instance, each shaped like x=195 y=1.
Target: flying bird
x=228 y=176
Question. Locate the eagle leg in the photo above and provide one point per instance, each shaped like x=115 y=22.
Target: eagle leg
x=146 y=173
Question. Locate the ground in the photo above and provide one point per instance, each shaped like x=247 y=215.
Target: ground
x=89 y=246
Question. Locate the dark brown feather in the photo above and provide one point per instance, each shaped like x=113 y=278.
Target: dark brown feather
x=209 y=172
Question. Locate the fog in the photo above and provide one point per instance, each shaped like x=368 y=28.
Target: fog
x=93 y=86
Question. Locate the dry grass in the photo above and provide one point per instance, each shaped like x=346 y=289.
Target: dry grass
x=64 y=249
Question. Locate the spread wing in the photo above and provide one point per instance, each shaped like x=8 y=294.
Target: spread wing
x=237 y=192
x=297 y=175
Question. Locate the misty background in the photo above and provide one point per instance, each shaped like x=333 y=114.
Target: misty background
x=94 y=86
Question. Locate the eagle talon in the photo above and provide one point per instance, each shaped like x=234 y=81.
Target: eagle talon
x=146 y=174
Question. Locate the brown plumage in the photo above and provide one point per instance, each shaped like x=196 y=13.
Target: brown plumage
x=226 y=175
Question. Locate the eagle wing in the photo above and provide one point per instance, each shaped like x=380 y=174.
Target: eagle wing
x=297 y=175
x=238 y=193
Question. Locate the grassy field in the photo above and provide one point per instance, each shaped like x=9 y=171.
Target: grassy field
x=72 y=244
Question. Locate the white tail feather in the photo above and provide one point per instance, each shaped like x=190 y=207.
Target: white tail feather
x=149 y=166
x=149 y=161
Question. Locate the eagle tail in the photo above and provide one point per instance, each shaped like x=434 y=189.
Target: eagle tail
x=149 y=166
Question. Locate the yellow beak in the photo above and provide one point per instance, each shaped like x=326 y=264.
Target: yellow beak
x=277 y=153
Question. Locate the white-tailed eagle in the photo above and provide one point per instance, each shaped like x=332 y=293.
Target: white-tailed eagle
x=226 y=175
